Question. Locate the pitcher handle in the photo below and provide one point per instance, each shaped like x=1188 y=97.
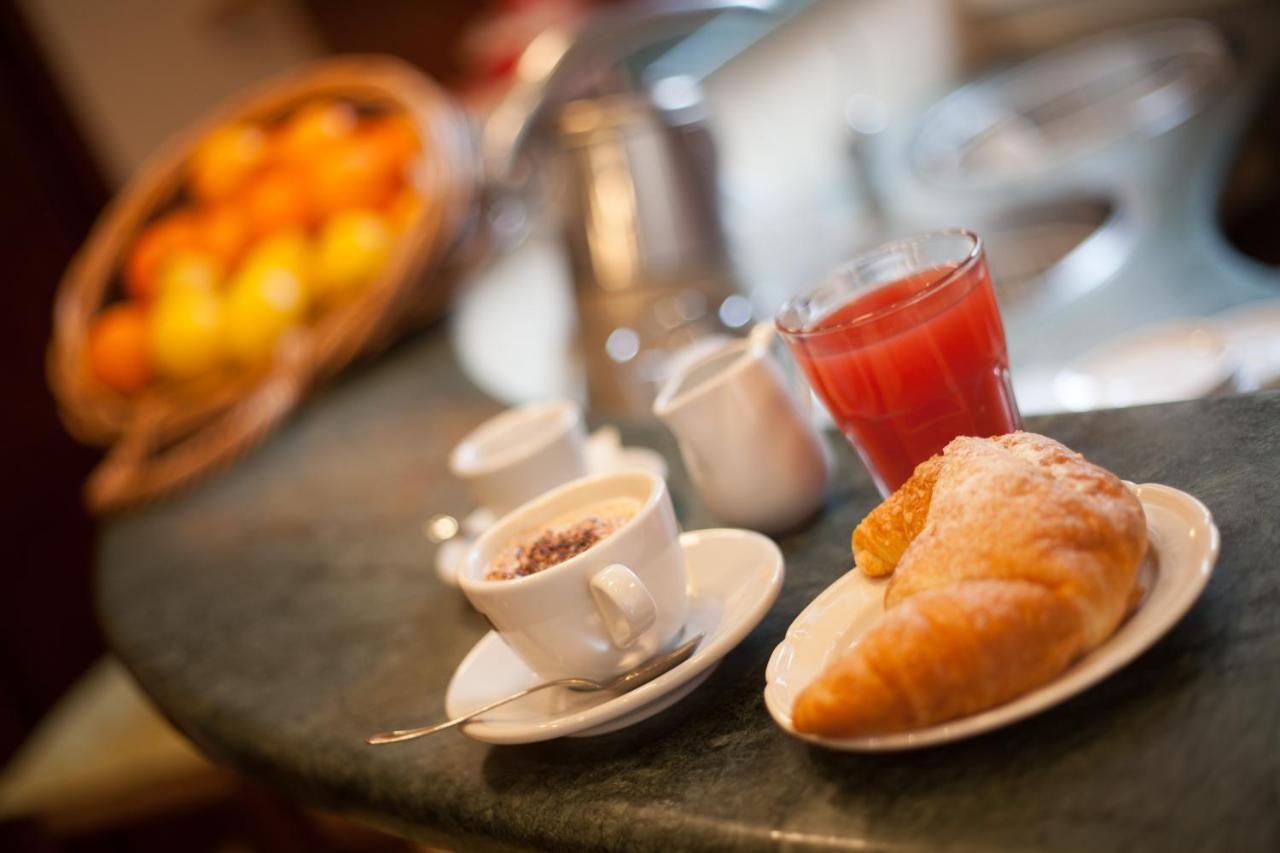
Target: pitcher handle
x=763 y=340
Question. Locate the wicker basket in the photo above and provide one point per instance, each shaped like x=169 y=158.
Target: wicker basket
x=169 y=435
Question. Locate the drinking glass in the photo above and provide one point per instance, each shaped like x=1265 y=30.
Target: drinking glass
x=905 y=346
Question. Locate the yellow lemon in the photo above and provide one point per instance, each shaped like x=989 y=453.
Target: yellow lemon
x=263 y=303
x=185 y=332
x=288 y=250
x=189 y=269
x=352 y=248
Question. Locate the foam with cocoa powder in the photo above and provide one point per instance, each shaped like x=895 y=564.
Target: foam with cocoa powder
x=562 y=538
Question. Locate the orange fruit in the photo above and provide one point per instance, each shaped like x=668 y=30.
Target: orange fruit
x=404 y=209
x=277 y=200
x=396 y=136
x=223 y=232
x=117 y=347
x=156 y=242
x=355 y=173
x=225 y=159
x=312 y=128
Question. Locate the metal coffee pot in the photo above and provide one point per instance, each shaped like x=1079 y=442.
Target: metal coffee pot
x=629 y=169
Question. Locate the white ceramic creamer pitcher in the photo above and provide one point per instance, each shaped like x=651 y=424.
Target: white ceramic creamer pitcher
x=746 y=440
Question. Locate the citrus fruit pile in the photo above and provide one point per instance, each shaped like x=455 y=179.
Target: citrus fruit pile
x=280 y=223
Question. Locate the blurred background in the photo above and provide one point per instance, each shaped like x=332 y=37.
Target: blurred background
x=647 y=176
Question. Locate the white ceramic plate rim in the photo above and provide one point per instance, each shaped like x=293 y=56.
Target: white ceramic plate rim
x=724 y=638
x=1257 y=312
x=1242 y=326
x=1116 y=652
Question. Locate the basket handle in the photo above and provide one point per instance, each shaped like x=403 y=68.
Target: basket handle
x=135 y=470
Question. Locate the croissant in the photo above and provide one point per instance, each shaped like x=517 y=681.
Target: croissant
x=1011 y=557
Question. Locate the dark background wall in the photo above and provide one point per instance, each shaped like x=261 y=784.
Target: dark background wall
x=49 y=196
x=51 y=191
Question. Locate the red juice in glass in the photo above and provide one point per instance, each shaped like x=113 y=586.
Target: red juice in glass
x=905 y=347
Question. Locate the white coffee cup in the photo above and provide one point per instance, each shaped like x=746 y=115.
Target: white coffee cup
x=603 y=611
x=520 y=453
x=746 y=440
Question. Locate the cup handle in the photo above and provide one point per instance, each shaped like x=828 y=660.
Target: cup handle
x=625 y=605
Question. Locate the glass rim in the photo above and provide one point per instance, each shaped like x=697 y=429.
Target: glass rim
x=963 y=267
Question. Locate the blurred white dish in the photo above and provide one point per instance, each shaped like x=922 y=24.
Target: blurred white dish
x=604 y=454
x=1181 y=360
x=1183 y=539
x=1253 y=331
x=1033 y=389
x=734 y=578
x=512 y=327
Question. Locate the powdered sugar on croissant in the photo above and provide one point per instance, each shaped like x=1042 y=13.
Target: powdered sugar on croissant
x=1011 y=557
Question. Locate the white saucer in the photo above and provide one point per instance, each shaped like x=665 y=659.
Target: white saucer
x=1180 y=360
x=734 y=578
x=1183 y=540
x=604 y=454
x=1253 y=330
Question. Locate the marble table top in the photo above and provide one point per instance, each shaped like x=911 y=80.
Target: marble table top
x=287 y=607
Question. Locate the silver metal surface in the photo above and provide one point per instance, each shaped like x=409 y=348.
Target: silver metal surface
x=629 y=168
x=640 y=195
x=565 y=64
x=1150 y=193
x=642 y=231
x=1129 y=152
x=1072 y=102
x=1044 y=255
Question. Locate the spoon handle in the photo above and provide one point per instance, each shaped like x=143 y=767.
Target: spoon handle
x=398 y=735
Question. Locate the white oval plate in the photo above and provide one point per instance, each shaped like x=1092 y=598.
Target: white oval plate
x=1179 y=360
x=1253 y=330
x=1184 y=542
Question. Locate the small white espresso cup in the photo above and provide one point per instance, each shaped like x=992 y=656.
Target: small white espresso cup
x=602 y=612
x=520 y=453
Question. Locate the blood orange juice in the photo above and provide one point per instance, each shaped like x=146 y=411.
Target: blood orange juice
x=906 y=348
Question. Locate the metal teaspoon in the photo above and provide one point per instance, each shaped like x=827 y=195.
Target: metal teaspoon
x=646 y=672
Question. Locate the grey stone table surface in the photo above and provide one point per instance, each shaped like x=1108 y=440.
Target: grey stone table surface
x=287 y=607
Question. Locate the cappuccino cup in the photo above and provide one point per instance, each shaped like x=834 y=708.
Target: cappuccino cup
x=585 y=581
